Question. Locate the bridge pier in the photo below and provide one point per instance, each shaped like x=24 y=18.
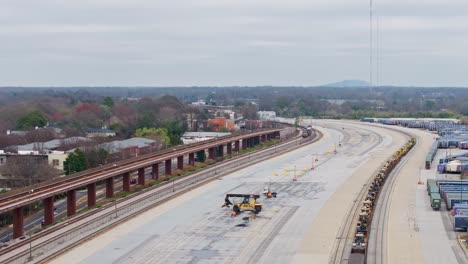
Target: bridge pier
x=229 y=148
x=221 y=151
x=237 y=146
x=91 y=194
x=110 y=187
x=48 y=204
x=191 y=159
x=211 y=153
x=141 y=176
x=18 y=222
x=126 y=182
x=180 y=162
x=155 y=171
x=168 y=166
x=71 y=203
x=244 y=143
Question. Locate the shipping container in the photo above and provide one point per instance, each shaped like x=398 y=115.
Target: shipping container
x=441 y=167
x=452 y=182
x=460 y=222
x=463 y=145
x=454 y=199
x=460 y=209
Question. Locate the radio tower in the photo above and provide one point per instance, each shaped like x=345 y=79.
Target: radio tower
x=377 y=62
x=370 y=46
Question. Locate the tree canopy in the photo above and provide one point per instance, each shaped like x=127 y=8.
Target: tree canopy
x=75 y=162
x=109 y=102
x=158 y=134
x=31 y=120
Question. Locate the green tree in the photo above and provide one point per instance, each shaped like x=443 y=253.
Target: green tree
x=31 y=120
x=75 y=162
x=109 y=102
x=175 y=130
x=158 y=134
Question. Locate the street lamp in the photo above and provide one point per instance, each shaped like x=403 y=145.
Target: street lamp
x=31 y=232
x=115 y=207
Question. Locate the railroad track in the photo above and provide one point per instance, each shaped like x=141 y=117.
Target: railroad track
x=377 y=246
x=341 y=249
x=20 y=197
x=128 y=206
x=347 y=228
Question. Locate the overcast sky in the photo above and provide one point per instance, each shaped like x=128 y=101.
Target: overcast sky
x=238 y=42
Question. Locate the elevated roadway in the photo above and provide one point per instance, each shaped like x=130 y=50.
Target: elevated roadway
x=14 y=201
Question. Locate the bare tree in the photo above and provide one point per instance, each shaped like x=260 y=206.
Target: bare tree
x=27 y=169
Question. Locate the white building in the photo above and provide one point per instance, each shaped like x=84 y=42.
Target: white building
x=266 y=115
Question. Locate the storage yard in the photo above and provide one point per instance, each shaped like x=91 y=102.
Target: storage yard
x=312 y=218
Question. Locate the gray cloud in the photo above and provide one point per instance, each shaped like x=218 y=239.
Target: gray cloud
x=235 y=42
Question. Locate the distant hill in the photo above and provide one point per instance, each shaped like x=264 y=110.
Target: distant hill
x=349 y=84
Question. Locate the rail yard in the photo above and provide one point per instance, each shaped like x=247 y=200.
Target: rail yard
x=351 y=196
x=313 y=219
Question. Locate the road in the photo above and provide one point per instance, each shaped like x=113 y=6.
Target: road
x=33 y=223
x=194 y=228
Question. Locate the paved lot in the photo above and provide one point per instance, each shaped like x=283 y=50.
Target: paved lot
x=195 y=229
x=435 y=227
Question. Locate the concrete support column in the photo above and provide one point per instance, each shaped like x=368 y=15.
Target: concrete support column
x=229 y=148
x=244 y=143
x=110 y=187
x=180 y=162
x=221 y=150
x=211 y=153
x=191 y=159
x=141 y=176
x=237 y=145
x=18 y=222
x=168 y=166
x=155 y=171
x=264 y=138
x=126 y=182
x=71 y=203
x=91 y=194
x=48 y=204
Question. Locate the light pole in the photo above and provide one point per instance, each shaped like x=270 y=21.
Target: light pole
x=31 y=232
x=446 y=158
x=295 y=178
x=115 y=207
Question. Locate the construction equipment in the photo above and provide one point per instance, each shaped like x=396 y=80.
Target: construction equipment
x=248 y=203
x=268 y=193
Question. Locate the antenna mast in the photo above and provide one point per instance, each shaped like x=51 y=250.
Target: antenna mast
x=370 y=46
x=377 y=72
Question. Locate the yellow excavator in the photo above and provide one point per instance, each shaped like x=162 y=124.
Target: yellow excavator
x=248 y=203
